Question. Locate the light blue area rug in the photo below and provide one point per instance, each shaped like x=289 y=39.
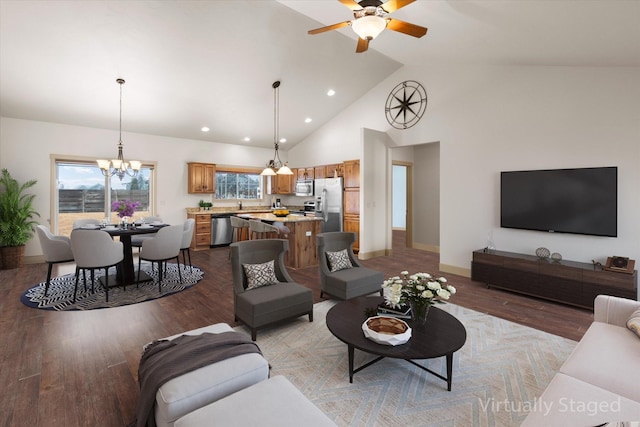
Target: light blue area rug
x=497 y=375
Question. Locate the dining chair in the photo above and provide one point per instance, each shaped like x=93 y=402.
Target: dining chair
x=160 y=249
x=136 y=241
x=264 y=292
x=79 y=223
x=95 y=250
x=56 y=249
x=187 y=236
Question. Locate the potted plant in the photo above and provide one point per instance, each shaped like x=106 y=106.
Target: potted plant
x=16 y=219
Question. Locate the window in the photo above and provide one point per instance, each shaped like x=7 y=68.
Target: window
x=238 y=185
x=81 y=191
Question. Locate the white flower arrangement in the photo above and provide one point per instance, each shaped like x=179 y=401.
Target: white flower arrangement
x=420 y=288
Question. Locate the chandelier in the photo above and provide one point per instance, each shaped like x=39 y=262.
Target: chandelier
x=118 y=166
x=275 y=166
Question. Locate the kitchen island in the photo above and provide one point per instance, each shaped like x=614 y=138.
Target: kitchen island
x=303 y=229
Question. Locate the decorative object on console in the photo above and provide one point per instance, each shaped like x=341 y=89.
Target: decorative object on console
x=556 y=256
x=420 y=291
x=543 y=253
x=620 y=264
x=118 y=166
x=371 y=19
x=275 y=166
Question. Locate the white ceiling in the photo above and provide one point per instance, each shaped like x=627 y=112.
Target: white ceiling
x=190 y=64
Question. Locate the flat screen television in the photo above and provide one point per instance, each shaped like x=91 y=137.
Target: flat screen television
x=579 y=201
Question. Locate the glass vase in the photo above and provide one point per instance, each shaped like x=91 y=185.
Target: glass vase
x=419 y=312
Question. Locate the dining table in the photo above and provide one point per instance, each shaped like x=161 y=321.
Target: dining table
x=126 y=271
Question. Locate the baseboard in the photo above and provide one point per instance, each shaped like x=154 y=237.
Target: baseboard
x=428 y=248
x=34 y=259
x=459 y=271
x=374 y=254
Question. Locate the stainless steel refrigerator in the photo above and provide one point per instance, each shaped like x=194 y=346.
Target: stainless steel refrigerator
x=328 y=195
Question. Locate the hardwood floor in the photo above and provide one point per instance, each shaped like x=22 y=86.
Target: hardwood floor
x=80 y=368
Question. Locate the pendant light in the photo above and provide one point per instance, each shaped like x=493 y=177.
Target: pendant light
x=118 y=166
x=275 y=166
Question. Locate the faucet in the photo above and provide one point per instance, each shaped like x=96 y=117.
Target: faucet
x=240 y=205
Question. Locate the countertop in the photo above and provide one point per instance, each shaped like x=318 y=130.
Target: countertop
x=267 y=216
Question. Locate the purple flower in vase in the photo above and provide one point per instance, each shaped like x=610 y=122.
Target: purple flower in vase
x=124 y=207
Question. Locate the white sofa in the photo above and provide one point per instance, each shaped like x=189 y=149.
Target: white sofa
x=600 y=381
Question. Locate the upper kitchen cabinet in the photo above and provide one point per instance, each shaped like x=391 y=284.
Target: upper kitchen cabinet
x=352 y=174
x=282 y=184
x=335 y=170
x=202 y=178
x=320 y=172
x=306 y=173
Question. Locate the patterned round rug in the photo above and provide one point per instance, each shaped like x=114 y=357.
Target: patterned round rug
x=60 y=294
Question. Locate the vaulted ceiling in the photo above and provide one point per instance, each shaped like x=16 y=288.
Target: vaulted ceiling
x=189 y=64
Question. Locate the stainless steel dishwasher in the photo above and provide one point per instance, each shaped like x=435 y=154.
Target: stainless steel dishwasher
x=221 y=231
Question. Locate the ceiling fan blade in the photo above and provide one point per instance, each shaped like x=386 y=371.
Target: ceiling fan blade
x=329 y=28
x=393 y=5
x=363 y=45
x=352 y=4
x=406 y=28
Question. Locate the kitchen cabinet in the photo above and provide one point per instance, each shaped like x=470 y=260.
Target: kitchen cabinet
x=351 y=200
x=282 y=184
x=334 y=170
x=202 y=178
x=320 y=172
x=306 y=173
x=352 y=174
x=202 y=234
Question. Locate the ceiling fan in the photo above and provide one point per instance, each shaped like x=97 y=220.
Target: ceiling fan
x=371 y=19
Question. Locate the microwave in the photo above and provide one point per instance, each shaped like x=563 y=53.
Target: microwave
x=304 y=187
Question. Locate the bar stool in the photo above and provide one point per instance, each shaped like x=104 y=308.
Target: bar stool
x=262 y=230
x=240 y=227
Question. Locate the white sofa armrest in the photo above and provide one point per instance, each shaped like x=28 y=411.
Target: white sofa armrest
x=613 y=310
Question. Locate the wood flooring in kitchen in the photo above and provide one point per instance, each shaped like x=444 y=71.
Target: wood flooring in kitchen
x=80 y=368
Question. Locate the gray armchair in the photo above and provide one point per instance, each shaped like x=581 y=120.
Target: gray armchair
x=270 y=303
x=349 y=282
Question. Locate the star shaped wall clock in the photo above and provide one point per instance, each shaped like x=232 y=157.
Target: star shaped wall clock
x=406 y=104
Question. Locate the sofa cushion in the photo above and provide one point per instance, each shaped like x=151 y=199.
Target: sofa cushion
x=268 y=304
x=197 y=388
x=569 y=401
x=274 y=402
x=634 y=322
x=338 y=260
x=353 y=282
x=608 y=357
x=260 y=274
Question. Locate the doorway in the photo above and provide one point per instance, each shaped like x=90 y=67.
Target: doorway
x=402 y=202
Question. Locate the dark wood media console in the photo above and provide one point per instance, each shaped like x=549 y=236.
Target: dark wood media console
x=569 y=282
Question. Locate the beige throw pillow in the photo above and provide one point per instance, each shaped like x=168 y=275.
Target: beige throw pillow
x=260 y=274
x=338 y=260
x=634 y=322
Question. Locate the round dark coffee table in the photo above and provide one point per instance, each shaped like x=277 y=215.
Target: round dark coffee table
x=441 y=336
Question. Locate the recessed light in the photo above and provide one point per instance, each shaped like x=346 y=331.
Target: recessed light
x=283 y=140
x=308 y=120
x=204 y=129
x=246 y=139
x=331 y=92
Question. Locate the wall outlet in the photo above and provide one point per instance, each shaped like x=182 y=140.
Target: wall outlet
x=308 y=234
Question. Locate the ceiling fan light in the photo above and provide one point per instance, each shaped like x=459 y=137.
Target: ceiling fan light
x=368 y=27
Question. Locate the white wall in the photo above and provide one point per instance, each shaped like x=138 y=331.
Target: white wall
x=426 y=196
x=490 y=119
x=25 y=148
